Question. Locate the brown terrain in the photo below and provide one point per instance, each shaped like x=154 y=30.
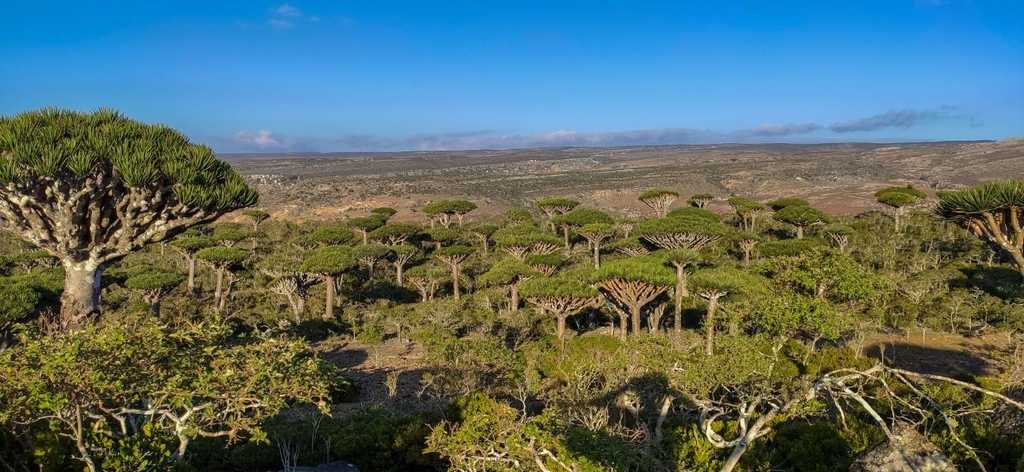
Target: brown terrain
x=839 y=178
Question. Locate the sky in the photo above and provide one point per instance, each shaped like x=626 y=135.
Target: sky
x=347 y=75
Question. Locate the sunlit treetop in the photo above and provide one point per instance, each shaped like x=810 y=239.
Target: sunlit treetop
x=898 y=197
x=781 y=203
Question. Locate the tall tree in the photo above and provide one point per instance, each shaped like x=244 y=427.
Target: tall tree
x=700 y=200
x=330 y=263
x=659 y=200
x=521 y=240
x=719 y=284
x=393 y=234
x=682 y=260
x=748 y=211
x=364 y=224
x=898 y=199
x=562 y=296
x=681 y=232
x=633 y=283
x=508 y=273
x=222 y=259
x=994 y=210
x=442 y=211
x=554 y=206
x=801 y=217
x=453 y=257
x=188 y=245
x=90 y=188
x=596 y=234
x=401 y=256
x=576 y=218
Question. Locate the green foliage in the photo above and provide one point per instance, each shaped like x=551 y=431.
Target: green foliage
x=330 y=234
x=192 y=243
x=657 y=193
x=985 y=197
x=222 y=256
x=454 y=252
x=570 y=284
x=647 y=269
x=801 y=215
x=898 y=197
x=506 y=272
x=330 y=260
x=385 y=212
x=826 y=273
x=744 y=205
x=366 y=223
x=522 y=235
x=154 y=281
x=581 y=216
x=392 y=232
x=18 y=301
x=230 y=233
x=556 y=204
x=450 y=207
x=681 y=225
x=787 y=315
x=729 y=279
x=518 y=216
x=64 y=145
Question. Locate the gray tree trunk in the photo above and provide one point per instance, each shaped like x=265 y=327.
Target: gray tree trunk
x=81 y=297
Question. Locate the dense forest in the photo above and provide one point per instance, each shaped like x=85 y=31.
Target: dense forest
x=142 y=329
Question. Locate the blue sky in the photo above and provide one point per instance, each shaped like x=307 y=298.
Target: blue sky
x=307 y=75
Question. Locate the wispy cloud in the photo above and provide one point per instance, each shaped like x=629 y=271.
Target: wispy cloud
x=286 y=16
x=894 y=119
x=262 y=139
x=778 y=130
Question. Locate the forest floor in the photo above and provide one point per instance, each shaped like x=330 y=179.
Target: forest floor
x=946 y=354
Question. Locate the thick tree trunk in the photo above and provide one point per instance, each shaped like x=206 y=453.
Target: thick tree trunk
x=455 y=282
x=597 y=255
x=81 y=297
x=677 y=302
x=634 y=312
x=514 y=289
x=709 y=327
x=329 y=297
x=218 y=290
x=565 y=236
x=191 y=287
x=399 y=273
x=561 y=326
x=487 y=246
x=799 y=232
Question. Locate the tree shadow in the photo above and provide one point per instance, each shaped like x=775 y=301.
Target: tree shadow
x=931 y=360
x=1001 y=282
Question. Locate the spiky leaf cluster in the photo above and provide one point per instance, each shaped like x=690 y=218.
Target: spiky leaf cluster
x=156 y=281
x=330 y=260
x=647 y=269
x=899 y=197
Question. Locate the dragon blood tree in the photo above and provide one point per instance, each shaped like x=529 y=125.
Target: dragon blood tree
x=717 y=285
x=632 y=283
x=898 y=199
x=689 y=232
x=554 y=206
x=453 y=257
x=576 y=218
x=801 y=217
x=659 y=200
x=508 y=273
x=563 y=296
x=994 y=210
x=443 y=211
x=90 y=188
x=596 y=234
x=700 y=200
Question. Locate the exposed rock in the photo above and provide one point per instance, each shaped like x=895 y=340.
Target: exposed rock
x=909 y=451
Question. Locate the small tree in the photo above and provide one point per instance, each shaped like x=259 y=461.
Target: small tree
x=746 y=242
x=393 y=234
x=748 y=211
x=994 y=211
x=442 y=236
x=453 y=257
x=426 y=278
x=401 y=256
x=682 y=260
x=230 y=234
x=189 y=245
x=659 y=200
x=508 y=273
x=596 y=234
x=284 y=266
x=701 y=200
x=839 y=236
x=483 y=232
x=442 y=211
x=563 y=296
x=384 y=212
x=554 y=206
x=801 y=217
x=363 y=225
x=330 y=264
x=788 y=316
x=898 y=199
x=222 y=259
x=579 y=217
x=520 y=240
x=154 y=285
x=717 y=285
x=256 y=217
x=632 y=247
x=369 y=255
x=825 y=274
x=90 y=188
x=633 y=283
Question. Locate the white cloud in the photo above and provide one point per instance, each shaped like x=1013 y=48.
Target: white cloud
x=261 y=139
